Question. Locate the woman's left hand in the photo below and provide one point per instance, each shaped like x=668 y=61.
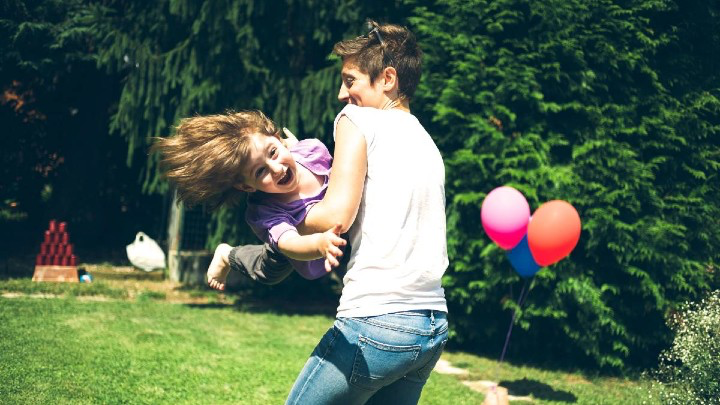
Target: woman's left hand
x=290 y=138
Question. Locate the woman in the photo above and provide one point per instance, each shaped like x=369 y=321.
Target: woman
x=387 y=181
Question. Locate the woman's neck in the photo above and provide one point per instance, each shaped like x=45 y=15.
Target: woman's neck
x=400 y=103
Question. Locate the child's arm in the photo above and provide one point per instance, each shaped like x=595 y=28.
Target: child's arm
x=347 y=179
x=324 y=245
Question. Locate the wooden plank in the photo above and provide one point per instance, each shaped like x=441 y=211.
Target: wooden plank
x=67 y=274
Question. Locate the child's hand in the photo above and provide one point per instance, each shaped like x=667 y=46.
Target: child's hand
x=330 y=246
x=219 y=267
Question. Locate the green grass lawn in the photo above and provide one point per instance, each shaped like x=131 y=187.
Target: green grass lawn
x=148 y=351
x=555 y=387
x=152 y=352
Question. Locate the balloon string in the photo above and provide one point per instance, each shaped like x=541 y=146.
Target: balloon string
x=521 y=300
x=512 y=295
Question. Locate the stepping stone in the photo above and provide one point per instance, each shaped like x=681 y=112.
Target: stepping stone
x=444 y=367
x=484 y=386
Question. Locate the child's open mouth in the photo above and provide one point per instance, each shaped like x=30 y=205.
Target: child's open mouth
x=286 y=178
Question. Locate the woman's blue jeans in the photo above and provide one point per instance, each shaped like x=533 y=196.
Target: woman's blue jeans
x=383 y=359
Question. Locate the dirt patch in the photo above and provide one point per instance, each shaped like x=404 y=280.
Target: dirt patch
x=576 y=379
x=138 y=284
x=156 y=286
x=46 y=296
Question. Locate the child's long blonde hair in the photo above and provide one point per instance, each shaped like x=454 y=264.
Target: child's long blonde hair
x=206 y=156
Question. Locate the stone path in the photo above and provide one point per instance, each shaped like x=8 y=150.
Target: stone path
x=483 y=386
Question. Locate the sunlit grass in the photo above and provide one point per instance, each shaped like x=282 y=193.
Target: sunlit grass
x=153 y=352
x=138 y=347
x=555 y=387
x=27 y=286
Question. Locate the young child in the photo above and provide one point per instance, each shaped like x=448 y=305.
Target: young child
x=215 y=159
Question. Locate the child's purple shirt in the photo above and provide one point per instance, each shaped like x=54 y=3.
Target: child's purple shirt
x=269 y=219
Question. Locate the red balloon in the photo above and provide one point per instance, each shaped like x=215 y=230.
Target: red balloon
x=553 y=232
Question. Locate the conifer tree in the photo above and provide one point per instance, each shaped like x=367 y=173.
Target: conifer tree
x=54 y=145
x=185 y=57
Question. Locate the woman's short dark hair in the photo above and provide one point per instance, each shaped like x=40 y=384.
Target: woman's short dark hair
x=386 y=45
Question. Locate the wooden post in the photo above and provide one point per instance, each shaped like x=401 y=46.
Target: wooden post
x=185 y=266
x=174 y=237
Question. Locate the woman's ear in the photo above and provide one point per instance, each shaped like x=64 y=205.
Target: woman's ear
x=244 y=187
x=389 y=75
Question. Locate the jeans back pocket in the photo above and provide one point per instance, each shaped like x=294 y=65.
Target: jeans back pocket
x=424 y=372
x=377 y=364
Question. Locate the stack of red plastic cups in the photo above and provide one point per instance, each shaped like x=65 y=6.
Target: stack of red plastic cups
x=56 y=249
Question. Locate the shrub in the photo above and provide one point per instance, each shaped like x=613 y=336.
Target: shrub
x=606 y=105
x=689 y=370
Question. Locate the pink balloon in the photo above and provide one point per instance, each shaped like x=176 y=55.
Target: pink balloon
x=505 y=214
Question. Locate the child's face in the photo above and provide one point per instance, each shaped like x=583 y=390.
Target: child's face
x=270 y=167
x=357 y=89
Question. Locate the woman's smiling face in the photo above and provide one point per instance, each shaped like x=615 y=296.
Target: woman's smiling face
x=356 y=87
x=270 y=167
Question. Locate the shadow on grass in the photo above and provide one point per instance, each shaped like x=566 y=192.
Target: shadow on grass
x=538 y=390
x=210 y=305
x=293 y=296
x=273 y=306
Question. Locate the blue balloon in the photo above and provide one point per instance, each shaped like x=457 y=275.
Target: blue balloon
x=522 y=260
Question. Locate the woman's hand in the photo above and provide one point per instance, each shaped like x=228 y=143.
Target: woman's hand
x=290 y=138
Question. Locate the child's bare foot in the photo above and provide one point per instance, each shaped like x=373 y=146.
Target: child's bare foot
x=219 y=267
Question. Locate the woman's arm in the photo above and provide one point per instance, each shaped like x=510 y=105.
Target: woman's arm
x=347 y=178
